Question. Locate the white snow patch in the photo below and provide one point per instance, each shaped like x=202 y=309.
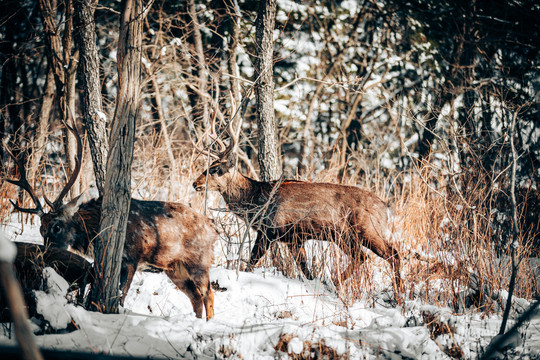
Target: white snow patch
x=254 y=309
x=8 y=251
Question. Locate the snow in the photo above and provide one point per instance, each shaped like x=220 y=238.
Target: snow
x=255 y=312
x=8 y=251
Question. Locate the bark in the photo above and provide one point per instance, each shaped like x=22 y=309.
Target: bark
x=108 y=248
x=63 y=63
x=269 y=159
x=10 y=94
x=43 y=124
x=200 y=112
x=165 y=133
x=71 y=142
x=94 y=119
x=234 y=13
x=515 y=226
x=428 y=135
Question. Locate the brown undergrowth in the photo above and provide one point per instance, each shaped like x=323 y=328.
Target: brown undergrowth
x=457 y=224
x=310 y=350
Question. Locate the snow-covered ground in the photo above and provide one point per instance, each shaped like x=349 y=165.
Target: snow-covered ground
x=266 y=315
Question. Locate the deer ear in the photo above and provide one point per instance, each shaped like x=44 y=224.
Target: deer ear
x=72 y=207
x=231 y=160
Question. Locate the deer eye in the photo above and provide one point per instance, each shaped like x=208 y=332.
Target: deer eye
x=56 y=228
x=216 y=170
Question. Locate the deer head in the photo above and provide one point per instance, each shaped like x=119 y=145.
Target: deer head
x=52 y=223
x=220 y=172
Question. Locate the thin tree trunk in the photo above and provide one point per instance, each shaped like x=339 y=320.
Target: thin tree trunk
x=43 y=123
x=94 y=119
x=233 y=10
x=269 y=154
x=165 y=133
x=234 y=13
x=71 y=143
x=63 y=64
x=108 y=248
x=515 y=230
x=200 y=113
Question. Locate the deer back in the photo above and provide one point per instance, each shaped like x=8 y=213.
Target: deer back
x=319 y=206
x=158 y=233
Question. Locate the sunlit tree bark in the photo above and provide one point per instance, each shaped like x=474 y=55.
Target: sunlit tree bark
x=269 y=154
x=108 y=248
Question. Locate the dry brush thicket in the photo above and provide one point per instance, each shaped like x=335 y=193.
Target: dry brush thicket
x=385 y=98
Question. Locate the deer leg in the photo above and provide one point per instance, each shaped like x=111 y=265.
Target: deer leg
x=201 y=279
x=208 y=298
x=358 y=257
x=126 y=277
x=385 y=250
x=181 y=278
x=259 y=249
x=300 y=257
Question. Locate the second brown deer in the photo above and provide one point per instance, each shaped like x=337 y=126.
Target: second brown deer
x=166 y=236
x=295 y=211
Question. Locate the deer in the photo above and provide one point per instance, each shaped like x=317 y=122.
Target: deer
x=165 y=236
x=293 y=211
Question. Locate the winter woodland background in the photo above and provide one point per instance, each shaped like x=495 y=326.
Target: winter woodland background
x=427 y=103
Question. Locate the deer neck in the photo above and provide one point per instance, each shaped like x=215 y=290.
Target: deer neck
x=87 y=220
x=240 y=190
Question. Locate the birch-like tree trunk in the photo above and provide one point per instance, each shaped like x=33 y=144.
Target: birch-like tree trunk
x=269 y=154
x=109 y=247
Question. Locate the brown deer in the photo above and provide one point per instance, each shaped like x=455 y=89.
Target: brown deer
x=296 y=211
x=160 y=235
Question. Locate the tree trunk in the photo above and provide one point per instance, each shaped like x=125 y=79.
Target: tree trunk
x=63 y=63
x=234 y=38
x=94 y=119
x=43 y=123
x=108 y=248
x=200 y=111
x=269 y=159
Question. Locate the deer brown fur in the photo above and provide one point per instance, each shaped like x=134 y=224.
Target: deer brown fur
x=294 y=211
x=167 y=236
x=170 y=237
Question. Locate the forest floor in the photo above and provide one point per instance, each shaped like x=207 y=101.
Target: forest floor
x=267 y=315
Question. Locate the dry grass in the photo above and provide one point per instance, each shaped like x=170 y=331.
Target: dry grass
x=454 y=226
x=455 y=230
x=310 y=350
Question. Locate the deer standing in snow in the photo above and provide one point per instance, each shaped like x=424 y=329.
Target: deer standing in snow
x=296 y=211
x=170 y=237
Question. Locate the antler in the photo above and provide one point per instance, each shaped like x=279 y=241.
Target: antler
x=233 y=142
x=55 y=205
x=23 y=184
x=224 y=150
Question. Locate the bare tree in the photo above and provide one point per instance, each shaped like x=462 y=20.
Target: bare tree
x=269 y=159
x=200 y=112
x=108 y=248
x=92 y=109
x=63 y=60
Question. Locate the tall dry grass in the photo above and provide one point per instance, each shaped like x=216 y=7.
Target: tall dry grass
x=452 y=235
x=452 y=222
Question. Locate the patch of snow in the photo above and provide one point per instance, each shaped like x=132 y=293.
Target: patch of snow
x=8 y=251
x=254 y=310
